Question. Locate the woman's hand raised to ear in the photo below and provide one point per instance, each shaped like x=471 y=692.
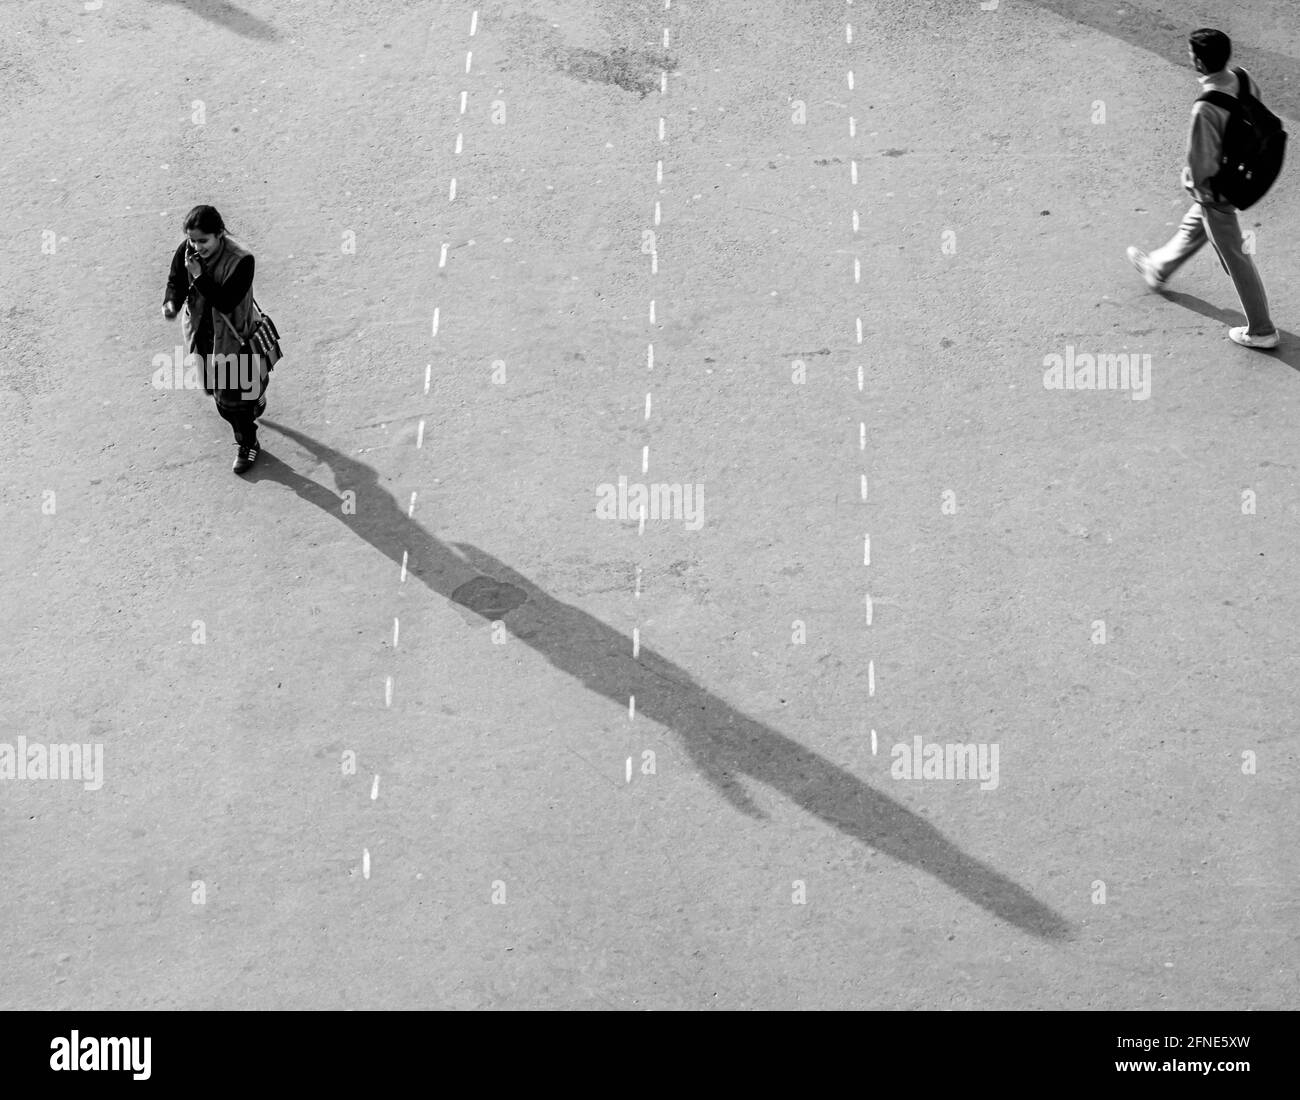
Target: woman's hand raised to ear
x=169 y=311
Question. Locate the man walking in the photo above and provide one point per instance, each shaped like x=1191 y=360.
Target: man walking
x=1209 y=216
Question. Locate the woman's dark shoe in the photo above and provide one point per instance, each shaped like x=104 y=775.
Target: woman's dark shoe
x=245 y=459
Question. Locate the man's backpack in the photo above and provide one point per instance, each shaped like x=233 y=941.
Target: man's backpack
x=1254 y=144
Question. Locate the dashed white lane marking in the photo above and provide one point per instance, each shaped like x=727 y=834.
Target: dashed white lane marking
x=862 y=425
x=419 y=439
x=650 y=366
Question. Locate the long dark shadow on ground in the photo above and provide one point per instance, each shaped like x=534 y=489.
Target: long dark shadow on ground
x=1167 y=38
x=1287 y=351
x=227 y=15
x=723 y=743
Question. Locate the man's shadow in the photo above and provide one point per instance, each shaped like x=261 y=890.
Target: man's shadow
x=723 y=743
x=1287 y=350
x=227 y=15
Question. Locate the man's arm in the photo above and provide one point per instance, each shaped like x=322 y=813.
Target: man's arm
x=1204 y=150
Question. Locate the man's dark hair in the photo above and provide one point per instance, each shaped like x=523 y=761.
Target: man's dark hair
x=1212 y=48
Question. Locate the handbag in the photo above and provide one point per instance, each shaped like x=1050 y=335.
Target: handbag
x=263 y=341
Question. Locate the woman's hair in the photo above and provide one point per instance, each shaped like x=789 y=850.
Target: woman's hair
x=205 y=219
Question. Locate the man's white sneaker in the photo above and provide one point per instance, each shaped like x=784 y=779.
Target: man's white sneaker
x=1142 y=262
x=1241 y=336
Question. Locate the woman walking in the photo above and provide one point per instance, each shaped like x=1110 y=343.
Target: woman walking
x=211 y=284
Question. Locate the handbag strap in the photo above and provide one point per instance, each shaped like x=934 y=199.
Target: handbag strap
x=231 y=326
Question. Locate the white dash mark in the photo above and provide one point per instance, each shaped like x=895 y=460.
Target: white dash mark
x=637 y=590
x=860 y=377
x=853 y=126
x=661 y=129
x=442 y=259
x=870 y=608
x=411 y=507
x=645 y=462
x=629 y=769
x=419 y=438
x=395 y=631
x=862 y=435
x=848 y=32
x=857 y=270
x=866 y=549
x=864 y=486
x=650 y=356
x=365 y=863
x=652 y=311
x=451 y=195
x=873 y=742
x=663 y=83
x=464 y=99
x=460 y=143
x=853 y=171
x=855 y=221
x=859 y=330
x=404 y=553
x=659 y=172
x=428 y=375
x=871 y=677
x=640 y=528
x=374 y=789
x=388 y=691
x=654 y=263
x=473 y=24
x=850 y=80
x=437 y=310
x=656 y=213
x=647 y=406
x=665 y=38
x=469 y=57
x=631 y=707
x=636 y=641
